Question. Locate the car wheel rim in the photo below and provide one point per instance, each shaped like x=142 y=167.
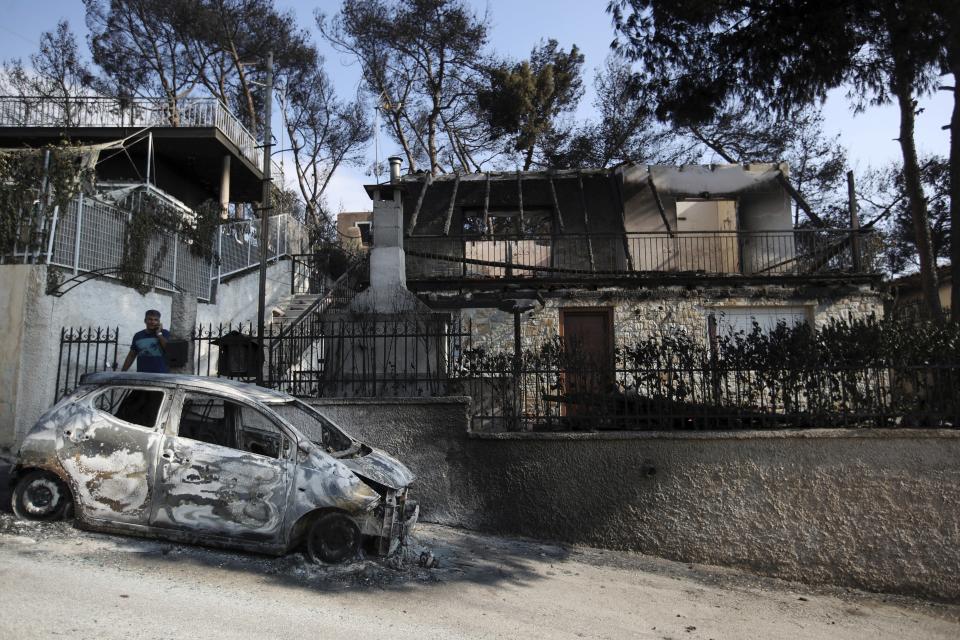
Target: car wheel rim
x=335 y=540
x=41 y=497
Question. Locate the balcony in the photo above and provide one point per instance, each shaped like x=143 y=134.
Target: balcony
x=92 y=112
x=699 y=254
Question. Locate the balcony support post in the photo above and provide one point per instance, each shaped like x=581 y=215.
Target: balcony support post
x=225 y=188
x=618 y=197
x=586 y=221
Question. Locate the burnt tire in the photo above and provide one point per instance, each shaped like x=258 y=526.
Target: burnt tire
x=39 y=495
x=333 y=538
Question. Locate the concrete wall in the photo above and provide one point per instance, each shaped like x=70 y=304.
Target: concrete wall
x=30 y=327
x=874 y=509
x=237 y=297
x=31 y=320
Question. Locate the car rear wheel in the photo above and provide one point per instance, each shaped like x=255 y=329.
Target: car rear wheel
x=41 y=496
x=333 y=538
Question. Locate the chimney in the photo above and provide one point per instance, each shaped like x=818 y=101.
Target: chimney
x=395 y=163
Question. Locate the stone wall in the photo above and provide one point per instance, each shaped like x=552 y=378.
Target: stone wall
x=874 y=509
x=645 y=312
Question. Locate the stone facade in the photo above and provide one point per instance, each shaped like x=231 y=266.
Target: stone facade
x=641 y=313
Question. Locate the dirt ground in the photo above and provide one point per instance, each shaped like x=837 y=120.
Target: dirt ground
x=58 y=581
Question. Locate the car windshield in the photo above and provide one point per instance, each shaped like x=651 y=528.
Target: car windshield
x=313 y=425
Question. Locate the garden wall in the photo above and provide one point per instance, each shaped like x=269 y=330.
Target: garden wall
x=874 y=509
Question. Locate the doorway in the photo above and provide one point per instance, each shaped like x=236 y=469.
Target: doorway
x=707 y=239
x=589 y=356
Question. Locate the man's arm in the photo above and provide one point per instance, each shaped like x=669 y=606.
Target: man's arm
x=131 y=356
x=162 y=339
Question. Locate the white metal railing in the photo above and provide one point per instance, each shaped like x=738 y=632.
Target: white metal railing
x=27 y=111
x=89 y=236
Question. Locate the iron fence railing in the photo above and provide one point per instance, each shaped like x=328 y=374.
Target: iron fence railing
x=84 y=350
x=432 y=356
x=754 y=253
x=712 y=398
x=82 y=111
x=330 y=357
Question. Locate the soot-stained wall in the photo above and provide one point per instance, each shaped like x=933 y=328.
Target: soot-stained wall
x=875 y=509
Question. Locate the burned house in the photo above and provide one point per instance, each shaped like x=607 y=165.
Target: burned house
x=600 y=259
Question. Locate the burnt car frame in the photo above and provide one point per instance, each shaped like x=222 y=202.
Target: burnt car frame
x=210 y=461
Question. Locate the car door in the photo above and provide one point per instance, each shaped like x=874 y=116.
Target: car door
x=112 y=455
x=224 y=469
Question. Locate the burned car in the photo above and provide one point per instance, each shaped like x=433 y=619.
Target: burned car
x=210 y=461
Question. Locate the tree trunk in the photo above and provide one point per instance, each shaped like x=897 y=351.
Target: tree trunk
x=916 y=200
x=395 y=122
x=432 y=142
x=528 y=160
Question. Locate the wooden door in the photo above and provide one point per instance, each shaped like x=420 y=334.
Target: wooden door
x=588 y=341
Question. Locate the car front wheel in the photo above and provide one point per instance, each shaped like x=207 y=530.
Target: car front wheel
x=41 y=496
x=333 y=538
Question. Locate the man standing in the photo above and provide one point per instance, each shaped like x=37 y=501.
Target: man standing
x=149 y=345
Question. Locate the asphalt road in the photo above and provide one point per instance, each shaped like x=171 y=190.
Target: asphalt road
x=57 y=581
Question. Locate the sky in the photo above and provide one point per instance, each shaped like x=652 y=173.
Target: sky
x=515 y=27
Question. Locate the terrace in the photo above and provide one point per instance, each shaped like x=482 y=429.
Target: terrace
x=188 y=140
x=693 y=222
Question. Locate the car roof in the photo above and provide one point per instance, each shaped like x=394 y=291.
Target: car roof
x=222 y=386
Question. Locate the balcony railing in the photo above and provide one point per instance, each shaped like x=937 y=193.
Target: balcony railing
x=798 y=252
x=27 y=111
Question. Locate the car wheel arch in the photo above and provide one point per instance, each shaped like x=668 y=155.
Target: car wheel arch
x=18 y=473
x=299 y=530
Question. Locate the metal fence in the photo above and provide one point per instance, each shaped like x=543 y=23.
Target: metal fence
x=84 y=350
x=756 y=253
x=528 y=397
x=89 y=236
x=79 y=111
x=431 y=355
x=325 y=357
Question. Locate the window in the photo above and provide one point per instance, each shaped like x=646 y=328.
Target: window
x=258 y=433
x=506 y=223
x=136 y=406
x=314 y=426
x=732 y=320
x=204 y=418
x=227 y=424
x=366 y=233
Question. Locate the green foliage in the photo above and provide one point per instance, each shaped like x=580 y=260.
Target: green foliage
x=883 y=197
x=150 y=218
x=32 y=183
x=799 y=375
x=419 y=60
x=524 y=100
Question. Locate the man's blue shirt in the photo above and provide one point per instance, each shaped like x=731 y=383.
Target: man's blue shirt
x=149 y=353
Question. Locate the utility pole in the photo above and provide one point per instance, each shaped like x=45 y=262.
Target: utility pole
x=854 y=222
x=265 y=209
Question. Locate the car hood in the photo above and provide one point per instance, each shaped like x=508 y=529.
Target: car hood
x=381 y=468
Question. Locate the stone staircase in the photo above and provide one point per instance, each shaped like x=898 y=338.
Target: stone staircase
x=290 y=309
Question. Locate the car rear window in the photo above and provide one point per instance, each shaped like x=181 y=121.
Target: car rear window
x=136 y=406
